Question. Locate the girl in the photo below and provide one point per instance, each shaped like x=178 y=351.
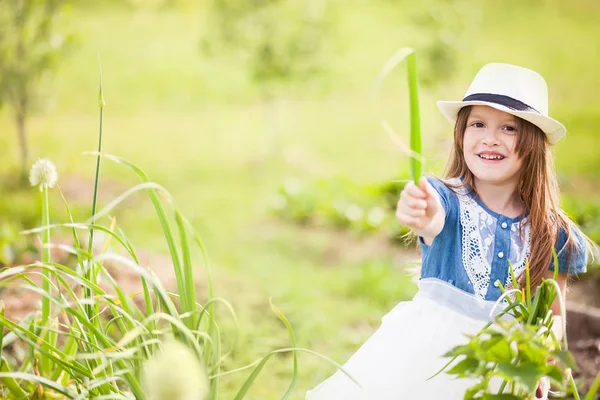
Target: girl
x=498 y=203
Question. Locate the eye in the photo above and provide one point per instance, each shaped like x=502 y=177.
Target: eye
x=509 y=128
x=477 y=124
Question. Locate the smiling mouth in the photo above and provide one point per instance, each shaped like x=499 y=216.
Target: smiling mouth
x=491 y=156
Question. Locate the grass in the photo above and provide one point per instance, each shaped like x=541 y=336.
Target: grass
x=197 y=127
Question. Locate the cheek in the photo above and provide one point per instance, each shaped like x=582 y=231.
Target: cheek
x=469 y=141
x=511 y=143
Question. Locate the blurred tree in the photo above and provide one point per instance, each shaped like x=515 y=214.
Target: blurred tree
x=30 y=48
x=444 y=29
x=280 y=41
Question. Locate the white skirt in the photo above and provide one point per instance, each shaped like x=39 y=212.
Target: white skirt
x=407 y=349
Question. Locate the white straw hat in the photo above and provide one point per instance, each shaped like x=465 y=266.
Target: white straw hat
x=515 y=90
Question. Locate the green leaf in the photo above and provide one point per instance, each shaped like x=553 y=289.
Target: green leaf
x=415 y=123
x=566 y=358
x=526 y=375
x=465 y=367
x=9 y=380
x=503 y=396
x=499 y=351
x=512 y=275
x=463 y=350
x=556 y=375
x=475 y=390
x=287 y=324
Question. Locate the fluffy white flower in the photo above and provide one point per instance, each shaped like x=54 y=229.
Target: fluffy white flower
x=175 y=373
x=43 y=174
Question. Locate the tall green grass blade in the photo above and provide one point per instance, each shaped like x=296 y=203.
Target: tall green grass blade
x=513 y=278
x=574 y=390
x=41 y=381
x=287 y=324
x=259 y=365
x=210 y=309
x=188 y=273
x=91 y=308
x=2 y=309
x=45 y=365
x=9 y=380
x=70 y=349
x=555 y=262
x=414 y=151
x=594 y=389
x=528 y=283
x=76 y=242
x=415 y=119
x=164 y=222
x=147 y=298
x=57 y=356
x=45 y=252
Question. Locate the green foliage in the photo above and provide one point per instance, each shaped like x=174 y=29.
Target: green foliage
x=340 y=204
x=516 y=347
x=445 y=34
x=78 y=358
x=104 y=341
x=280 y=40
x=585 y=213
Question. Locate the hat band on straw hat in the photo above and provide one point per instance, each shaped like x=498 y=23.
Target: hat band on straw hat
x=506 y=101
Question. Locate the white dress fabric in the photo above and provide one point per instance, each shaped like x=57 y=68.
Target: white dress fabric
x=407 y=349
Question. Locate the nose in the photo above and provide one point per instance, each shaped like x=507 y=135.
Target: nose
x=490 y=137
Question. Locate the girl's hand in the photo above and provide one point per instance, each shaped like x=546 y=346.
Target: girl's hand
x=420 y=209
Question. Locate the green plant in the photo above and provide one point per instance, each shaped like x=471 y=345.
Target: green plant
x=91 y=339
x=516 y=346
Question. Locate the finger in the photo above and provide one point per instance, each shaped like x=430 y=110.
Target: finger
x=433 y=198
x=414 y=207
x=413 y=212
x=404 y=210
x=426 y=187
x=414 y=191
x=423 y=183
x=416 y=203
x=406 y=220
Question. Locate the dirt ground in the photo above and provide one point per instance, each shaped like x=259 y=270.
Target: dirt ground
x=583 y=326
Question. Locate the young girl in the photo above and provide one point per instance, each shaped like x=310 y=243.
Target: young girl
x=498 y=203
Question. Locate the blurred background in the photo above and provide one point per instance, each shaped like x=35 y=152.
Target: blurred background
x=259 y=117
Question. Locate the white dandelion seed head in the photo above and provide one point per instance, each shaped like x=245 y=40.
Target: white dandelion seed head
x=174 y=373
x=43 y=174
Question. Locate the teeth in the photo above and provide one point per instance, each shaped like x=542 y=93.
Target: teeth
x=491 y=157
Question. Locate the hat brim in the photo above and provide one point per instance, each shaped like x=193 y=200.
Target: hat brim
x=551 y=127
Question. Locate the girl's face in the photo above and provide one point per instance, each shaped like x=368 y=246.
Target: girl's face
x=489 y=146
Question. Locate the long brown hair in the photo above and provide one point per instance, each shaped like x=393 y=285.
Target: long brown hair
x=538 y=188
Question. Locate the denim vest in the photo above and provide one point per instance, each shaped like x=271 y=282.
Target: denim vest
x=473 y=250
